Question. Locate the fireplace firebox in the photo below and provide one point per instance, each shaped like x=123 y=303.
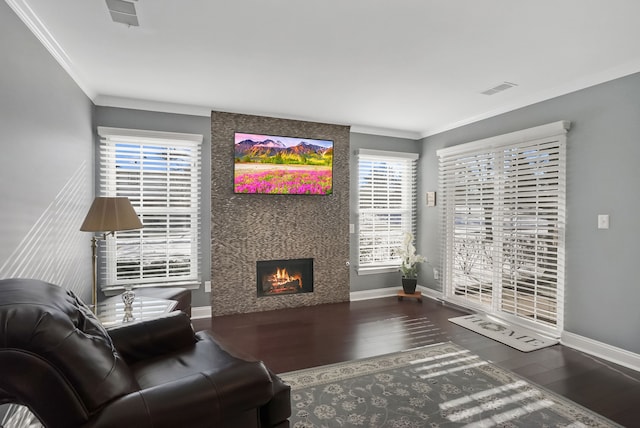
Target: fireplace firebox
x=278 y=277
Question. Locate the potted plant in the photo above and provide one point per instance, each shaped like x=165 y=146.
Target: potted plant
x=409 y=266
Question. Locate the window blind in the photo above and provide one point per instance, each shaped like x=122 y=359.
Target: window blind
x=160 y=173
x=503 y=220
x=386 y=206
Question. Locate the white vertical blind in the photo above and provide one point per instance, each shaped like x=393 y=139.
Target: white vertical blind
x=386 y=205
x=468 y=194
x=503 y=219
x=160 y=174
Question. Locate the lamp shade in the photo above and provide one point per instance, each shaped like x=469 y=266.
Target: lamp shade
x=110 y=215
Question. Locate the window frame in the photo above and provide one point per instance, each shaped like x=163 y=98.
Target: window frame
x=400 y=200
x=147 y=194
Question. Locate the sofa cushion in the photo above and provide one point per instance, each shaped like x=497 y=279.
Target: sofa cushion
x=240 y=384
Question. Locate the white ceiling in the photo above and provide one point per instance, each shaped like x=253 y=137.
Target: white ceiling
x=407 y=68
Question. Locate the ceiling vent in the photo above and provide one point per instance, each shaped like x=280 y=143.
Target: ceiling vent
x=123 y=12
x=499 y=88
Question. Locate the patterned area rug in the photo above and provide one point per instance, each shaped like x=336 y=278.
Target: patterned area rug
x=517 y=337
x=441 y=385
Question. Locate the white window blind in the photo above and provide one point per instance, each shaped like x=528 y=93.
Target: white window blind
x=503 y=219
x=386 y=206
x=160 y=173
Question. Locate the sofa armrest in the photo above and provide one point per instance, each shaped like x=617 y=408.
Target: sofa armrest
x=144 y=339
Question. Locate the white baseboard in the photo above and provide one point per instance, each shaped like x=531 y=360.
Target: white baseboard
x=601 y=350
x=430 y=292
x=377 y=293
x=198 y=312
x=372 y=294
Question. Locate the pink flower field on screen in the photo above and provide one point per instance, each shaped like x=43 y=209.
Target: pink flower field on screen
x=300 y=182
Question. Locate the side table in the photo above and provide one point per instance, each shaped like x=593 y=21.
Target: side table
x=110 y=312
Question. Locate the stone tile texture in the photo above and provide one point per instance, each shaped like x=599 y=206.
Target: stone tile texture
x=248 y=228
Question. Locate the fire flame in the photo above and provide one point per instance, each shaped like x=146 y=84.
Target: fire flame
x=283 y=277
x=280 y=281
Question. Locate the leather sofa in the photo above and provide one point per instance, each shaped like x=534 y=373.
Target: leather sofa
x=59 y=361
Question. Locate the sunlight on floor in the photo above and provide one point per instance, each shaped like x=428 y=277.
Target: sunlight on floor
x=400 y=333
x=484 y=401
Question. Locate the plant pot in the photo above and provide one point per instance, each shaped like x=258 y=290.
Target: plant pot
x=409 y=285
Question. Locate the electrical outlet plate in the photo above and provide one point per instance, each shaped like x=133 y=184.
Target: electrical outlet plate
x=603 y=221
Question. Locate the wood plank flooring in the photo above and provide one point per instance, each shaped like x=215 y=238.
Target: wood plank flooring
x=292 y=339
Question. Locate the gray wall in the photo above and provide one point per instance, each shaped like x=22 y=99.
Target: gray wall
x=374 y=142
x=603 y=150
x=248 y=228
x=167 y=122
x=46 y=166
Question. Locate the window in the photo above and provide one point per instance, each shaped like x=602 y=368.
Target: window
x=160 y=173
x=503 y=207
x=386 y=206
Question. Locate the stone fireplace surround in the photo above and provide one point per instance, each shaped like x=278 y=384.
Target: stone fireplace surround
x=248 y=228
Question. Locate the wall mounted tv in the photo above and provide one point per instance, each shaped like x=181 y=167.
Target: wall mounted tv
x=282 y=165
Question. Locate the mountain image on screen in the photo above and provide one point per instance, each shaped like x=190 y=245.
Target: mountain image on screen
x=282 y=165
x=259 y=149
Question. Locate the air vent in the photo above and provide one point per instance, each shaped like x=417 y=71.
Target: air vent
x=123 y=12
x=499 y=88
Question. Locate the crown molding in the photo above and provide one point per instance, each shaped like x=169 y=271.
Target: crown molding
x=164 y=107
x=33 y=23
x=386 y=132
x=157 y=106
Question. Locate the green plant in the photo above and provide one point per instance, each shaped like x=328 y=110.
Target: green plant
x=410 y=259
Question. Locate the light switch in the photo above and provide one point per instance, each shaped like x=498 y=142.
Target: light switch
x=431 y=199
x=352 y=228
x=603 y=221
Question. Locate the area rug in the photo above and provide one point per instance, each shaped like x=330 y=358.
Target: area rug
x=441 y=385
x=519 y=338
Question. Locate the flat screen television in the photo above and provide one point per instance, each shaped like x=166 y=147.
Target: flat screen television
x=273 y=164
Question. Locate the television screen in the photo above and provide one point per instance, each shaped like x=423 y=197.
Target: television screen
x=282 y=165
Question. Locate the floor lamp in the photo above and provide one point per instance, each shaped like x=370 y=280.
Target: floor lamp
x=107 y=216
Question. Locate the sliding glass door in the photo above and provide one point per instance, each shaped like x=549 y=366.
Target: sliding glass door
x=503 y=220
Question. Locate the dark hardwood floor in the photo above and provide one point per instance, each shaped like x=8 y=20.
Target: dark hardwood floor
x=292 y=339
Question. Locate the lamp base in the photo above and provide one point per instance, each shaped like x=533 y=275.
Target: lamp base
x=127 y=298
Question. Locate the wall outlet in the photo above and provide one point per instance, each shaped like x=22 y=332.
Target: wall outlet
x=603 y=221
x=207 y=286
x=436 y=273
